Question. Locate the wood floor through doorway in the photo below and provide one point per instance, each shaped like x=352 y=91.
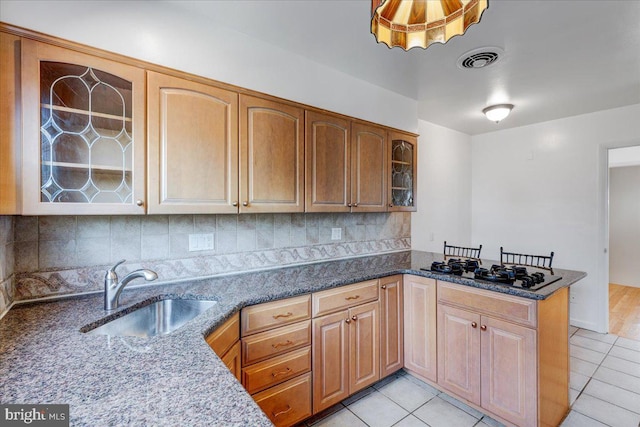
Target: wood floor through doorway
x=624 y=311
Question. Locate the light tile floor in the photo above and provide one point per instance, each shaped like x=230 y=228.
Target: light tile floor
x=604 y=391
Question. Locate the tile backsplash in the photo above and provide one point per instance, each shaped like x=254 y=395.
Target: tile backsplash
x=56 y=255
x=6 y=263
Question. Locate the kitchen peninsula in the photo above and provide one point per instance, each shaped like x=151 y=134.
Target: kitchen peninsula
x=176 y=378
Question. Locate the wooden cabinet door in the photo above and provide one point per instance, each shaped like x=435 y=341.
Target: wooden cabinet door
x=330 y=360
x=271 y=156
x=10 y=142
x=193 y=147
x=368 y=168
x=328 y=168
x=508 y=372
x=391 y=325
x=364 y=346
x=402 y=172
x=232 y=360
x=420 y=354
x=83 y=127
x=459 y=352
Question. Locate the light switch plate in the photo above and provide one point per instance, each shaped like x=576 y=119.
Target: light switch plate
x=336 y=234
x=200 y=242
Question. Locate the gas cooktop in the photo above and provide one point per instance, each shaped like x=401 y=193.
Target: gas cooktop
x=516 y=276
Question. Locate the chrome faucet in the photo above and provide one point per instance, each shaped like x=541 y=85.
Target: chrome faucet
x=113 y=288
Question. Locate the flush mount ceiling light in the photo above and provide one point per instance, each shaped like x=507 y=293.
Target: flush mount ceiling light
x=495 y=113
x=419 y=23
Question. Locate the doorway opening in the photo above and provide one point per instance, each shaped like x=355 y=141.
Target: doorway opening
x=624 y=241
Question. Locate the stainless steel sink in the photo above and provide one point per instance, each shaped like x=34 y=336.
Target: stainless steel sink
x=159 y=318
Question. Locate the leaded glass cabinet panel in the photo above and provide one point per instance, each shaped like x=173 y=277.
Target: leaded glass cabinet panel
x=403 y=157
x=83 y=133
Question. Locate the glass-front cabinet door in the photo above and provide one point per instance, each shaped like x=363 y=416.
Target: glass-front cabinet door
x=402 y=183
x=83 y=133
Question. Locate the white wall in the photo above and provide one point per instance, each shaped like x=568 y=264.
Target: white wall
x=624 y=225
x=444 y=189
x=542 y=187
x=159 y=33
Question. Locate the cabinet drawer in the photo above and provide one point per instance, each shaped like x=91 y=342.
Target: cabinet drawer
x=333 y=300
x=269 y=315
x=273 y=371
x=513 y=309
x=232 y=360
x=225 y=336
x=258 y=347
x=287 y=403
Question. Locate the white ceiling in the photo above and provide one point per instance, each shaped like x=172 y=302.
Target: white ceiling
x=562 y=58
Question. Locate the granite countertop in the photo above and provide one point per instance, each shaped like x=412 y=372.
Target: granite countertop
x=174 y=379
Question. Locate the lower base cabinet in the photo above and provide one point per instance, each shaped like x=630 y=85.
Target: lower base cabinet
x=287 y=403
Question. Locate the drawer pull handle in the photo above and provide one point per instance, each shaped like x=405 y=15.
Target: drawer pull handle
x=277 y=316
x=474 y=325
x=277 y=414
x=483 y=327
x=282 y=344
x=285 y=372
x=353 y=297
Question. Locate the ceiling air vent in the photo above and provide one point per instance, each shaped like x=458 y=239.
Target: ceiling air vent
x=480 y=58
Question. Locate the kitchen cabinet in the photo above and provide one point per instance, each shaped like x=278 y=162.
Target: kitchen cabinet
x=83 y=126
x=402 y=173
x=192 y=146
x=9 y=124
x=346 y=344
x=391 y=325
x=225 y=342
x=420 y=332
x=271 y=156
x=504 y=354
x=276 y=358
x=345 y=165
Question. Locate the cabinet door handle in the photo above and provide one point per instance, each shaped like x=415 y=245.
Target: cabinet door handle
x=355 y=205
x=285 y=372
x=390 y=205
x=483 y=327
x=384 y=286
x=474 y=325
x=277 y=316
x=245 y=203
x=282 y=344
x=347 y=321
x=349 y=205
x=353 y=297
x=277 y=414
x=354 y=317
x=139 y=202
x=235 y=203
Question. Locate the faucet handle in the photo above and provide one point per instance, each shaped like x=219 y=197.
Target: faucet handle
x=111 y=272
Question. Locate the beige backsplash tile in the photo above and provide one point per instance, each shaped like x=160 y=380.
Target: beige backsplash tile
x=87 y=245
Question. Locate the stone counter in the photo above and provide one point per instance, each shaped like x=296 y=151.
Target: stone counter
x=174 y=379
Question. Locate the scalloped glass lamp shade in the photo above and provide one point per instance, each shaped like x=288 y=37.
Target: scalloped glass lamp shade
x=495 y=113
x=419 y=23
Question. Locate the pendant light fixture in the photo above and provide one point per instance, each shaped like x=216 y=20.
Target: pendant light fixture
x=419 y=23
x=495 y=113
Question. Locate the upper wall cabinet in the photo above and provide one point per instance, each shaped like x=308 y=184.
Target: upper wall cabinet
x=83 y=133
x=9 y=124
x=403 y=152
x=271 y=156
x=345 y=165
x=193 y=147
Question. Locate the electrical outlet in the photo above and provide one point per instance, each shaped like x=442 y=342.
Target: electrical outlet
x=336 y=234
x=200 y=242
